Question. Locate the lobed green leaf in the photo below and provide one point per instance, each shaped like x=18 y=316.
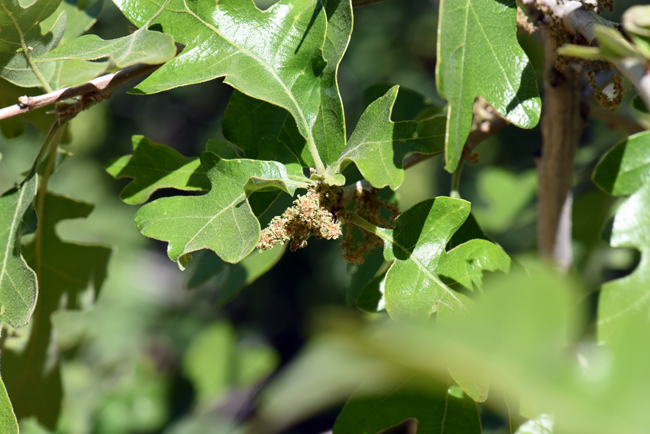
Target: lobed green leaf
x=423 y=277
x=222 y=220
x=479 y=55
x=378 y=146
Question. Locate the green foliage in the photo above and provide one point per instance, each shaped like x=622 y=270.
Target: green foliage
x=468 y=330
x=194 y=223
x=437 y=408
x=142 y=46
x=8 y=422
x=152 y=167
x=273 y=57
x=66 y=271
x=378 y=145
x=623 y=171
x=22 y=41
x=233 y=277
x=214 y=363
x=18 y=285
x=477 y=40
x=421 y=278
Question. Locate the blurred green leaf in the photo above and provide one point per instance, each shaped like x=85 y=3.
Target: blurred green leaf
x=66 y=273
x=514 y=338
x=203 y=424
x=436 y=408
x=195 y=223
x=637 y=26
x=141 y=46
x=152 y=167
x=611 y=45
x=209 y=360
x=215 y=364
x=422 y=273
x=254 y=364
x=18 y=286
x=22 y=41
x=378 y=145
x=624 y=171
x=506 y=195
x=579 y=51
x=479 y=55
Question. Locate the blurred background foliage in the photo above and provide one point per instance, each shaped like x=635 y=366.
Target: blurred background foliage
x=159 y=353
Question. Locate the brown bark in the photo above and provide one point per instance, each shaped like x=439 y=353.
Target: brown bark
x=562 y=124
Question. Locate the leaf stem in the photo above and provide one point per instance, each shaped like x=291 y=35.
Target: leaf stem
x=364 y=224
x=320 y=167
x=26 y=50
x=455 y=180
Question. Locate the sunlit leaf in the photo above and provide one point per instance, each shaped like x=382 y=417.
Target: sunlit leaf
x=141 y=46
x=275 y=55
x=378 y=145
x=329 y=127
x=221 y=220
x=479 y=55
x=422 y=273
x=152 y=167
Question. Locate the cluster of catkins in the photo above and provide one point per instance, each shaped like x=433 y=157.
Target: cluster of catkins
x=312 y=214
x=368 y=206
